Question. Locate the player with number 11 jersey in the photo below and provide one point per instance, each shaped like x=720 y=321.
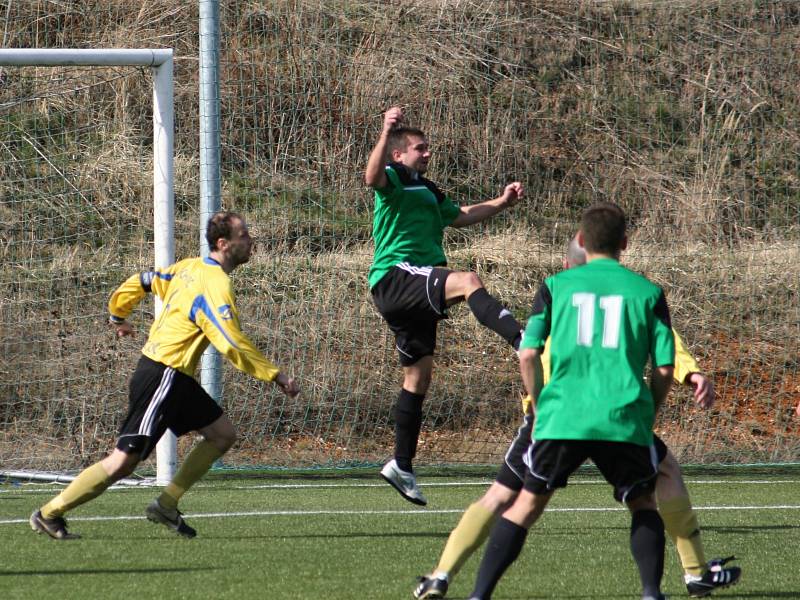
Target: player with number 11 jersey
x=598 y=315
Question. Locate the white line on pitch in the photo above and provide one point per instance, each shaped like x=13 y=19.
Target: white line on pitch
x=418 y=512
x=428 y=484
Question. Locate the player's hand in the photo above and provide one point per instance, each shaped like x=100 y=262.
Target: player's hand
x=123 y=329
x=513 y=193
x=288 y=385
x=392 y=118
x=797 y=410
x=703 y=390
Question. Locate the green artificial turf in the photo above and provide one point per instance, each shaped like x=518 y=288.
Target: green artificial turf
x=347 y=538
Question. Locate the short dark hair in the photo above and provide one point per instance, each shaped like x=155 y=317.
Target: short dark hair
x=398 y=138
x=603 y=227
x=219 y=227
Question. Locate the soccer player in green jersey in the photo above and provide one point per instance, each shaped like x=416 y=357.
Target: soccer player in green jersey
x=674 y=505
x=408 y=280
x=199 y=308
x=605 y=323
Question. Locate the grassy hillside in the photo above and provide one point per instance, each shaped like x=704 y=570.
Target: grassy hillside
x=681 y=111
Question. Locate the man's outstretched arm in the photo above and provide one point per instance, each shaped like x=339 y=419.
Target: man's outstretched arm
x=476 y=213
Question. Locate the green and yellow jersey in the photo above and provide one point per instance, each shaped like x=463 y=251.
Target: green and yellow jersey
x=408 y=222
x=606 y=323
x=685 y=365
x=199 y=307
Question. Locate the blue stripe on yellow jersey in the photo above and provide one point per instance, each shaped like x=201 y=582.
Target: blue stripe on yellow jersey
x=199 y=307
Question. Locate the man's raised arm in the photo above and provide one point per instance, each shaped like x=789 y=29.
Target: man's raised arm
x=375 y=174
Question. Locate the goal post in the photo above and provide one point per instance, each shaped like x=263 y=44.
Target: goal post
x=161 y=62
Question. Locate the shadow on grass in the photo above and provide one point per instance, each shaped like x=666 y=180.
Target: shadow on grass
x=749 y=529
x=772 y=594
x=140 y=570
x=302 y=536
x=732 y=594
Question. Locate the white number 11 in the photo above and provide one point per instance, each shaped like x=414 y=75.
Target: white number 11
x=612 y=313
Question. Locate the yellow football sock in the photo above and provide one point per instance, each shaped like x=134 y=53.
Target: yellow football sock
x=89 y=484
x=681 y=524
x=471 y=531
x=193 y=468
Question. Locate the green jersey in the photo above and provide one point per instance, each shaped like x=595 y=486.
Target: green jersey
x=605 y=322
x=408 y=224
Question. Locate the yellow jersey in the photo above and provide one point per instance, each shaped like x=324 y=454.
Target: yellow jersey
x=685 y=364
x=199 y=307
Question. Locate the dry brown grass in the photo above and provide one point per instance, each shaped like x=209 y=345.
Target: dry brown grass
x=680 y=111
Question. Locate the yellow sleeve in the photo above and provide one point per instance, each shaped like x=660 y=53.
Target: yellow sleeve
x=546 y=361
x=527 y=401
x=133 y=290
x=215 y=313
x=685 y=363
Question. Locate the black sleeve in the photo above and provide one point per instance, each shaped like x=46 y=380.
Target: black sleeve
x=661 y=310
x=542 y=299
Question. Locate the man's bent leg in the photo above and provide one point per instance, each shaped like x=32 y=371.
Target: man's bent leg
x=507 y=539
x=680 y=521
x=91 y=482
x=218 y=439
x=489 y=312
x=473 y=529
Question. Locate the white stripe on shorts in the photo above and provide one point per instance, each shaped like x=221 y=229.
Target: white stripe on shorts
x=147 y=424
x=414 y=270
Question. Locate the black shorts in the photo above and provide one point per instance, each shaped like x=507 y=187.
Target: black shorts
x=631 y=469
x=412 y=301
x=162 y=398
x=512 y=471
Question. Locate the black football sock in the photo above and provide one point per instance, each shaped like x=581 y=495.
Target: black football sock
x=407 y=423
x=490 y=313
x=503 y=548
x=647 y=547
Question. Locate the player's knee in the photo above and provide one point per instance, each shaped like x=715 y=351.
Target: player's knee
x=120 y=470
x=462 y=284
x=670 y=482
x=645 y=501
x=498 y=498
x=669 y=466
x=226 y=440
x=471 y=283
x=417 y=377
x=120 y=464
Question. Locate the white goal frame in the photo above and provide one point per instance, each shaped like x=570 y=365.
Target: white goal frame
x=161 y=61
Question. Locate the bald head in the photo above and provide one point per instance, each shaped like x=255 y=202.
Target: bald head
x=575 y=255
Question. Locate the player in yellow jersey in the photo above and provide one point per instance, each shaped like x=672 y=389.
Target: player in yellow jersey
x=198 y=308
x=673 y=497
